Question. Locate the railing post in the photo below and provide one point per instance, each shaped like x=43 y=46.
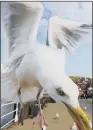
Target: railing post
x=16 y=115
x=15 y=105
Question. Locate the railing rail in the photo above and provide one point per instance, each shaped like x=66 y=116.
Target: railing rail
x=9 y=114
x=7 y=104
x=7 y=123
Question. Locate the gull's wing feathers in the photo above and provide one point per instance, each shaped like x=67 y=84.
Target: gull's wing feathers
x=9 y=87
x=21 y=21
x=65 y=33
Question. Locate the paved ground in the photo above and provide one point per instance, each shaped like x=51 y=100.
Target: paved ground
x=88 y=104
x=65 y=121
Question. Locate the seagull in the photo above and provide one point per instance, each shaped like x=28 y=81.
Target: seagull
x=74 y=127
x=85 y=108
x=90 y=123
x=33 y=67
x=57 y=116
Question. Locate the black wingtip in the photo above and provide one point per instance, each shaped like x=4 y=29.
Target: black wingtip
x=86 y=26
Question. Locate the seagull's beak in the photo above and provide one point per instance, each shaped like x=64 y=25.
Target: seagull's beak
x=79 y=117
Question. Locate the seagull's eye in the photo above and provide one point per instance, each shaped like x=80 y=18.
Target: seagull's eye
x=60 y=92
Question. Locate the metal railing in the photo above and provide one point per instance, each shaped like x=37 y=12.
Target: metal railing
x=5 y=125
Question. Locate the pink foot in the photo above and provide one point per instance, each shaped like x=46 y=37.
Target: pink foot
x=45 y=123
x=41 y=120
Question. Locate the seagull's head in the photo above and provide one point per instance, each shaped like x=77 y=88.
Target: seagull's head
x=69 y=97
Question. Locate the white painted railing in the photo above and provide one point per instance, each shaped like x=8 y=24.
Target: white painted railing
x=7 y=104
x=16 y=117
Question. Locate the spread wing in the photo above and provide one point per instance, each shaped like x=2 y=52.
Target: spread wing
x=20 y=21
x=66 y=33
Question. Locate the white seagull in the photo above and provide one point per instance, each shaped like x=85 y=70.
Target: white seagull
x=33 y=67
x=74 y=127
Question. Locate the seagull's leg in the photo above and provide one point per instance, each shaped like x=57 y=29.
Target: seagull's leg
x=43 y=121
x=20 y=109
x=38 y=98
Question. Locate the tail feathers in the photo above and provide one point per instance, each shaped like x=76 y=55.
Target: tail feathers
x=9 y=87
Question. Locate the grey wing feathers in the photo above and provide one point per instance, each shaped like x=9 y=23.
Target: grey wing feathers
x=74 y=35
x=21 y=21
x=14 y=64
x=13 y=16
x=66 y=33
